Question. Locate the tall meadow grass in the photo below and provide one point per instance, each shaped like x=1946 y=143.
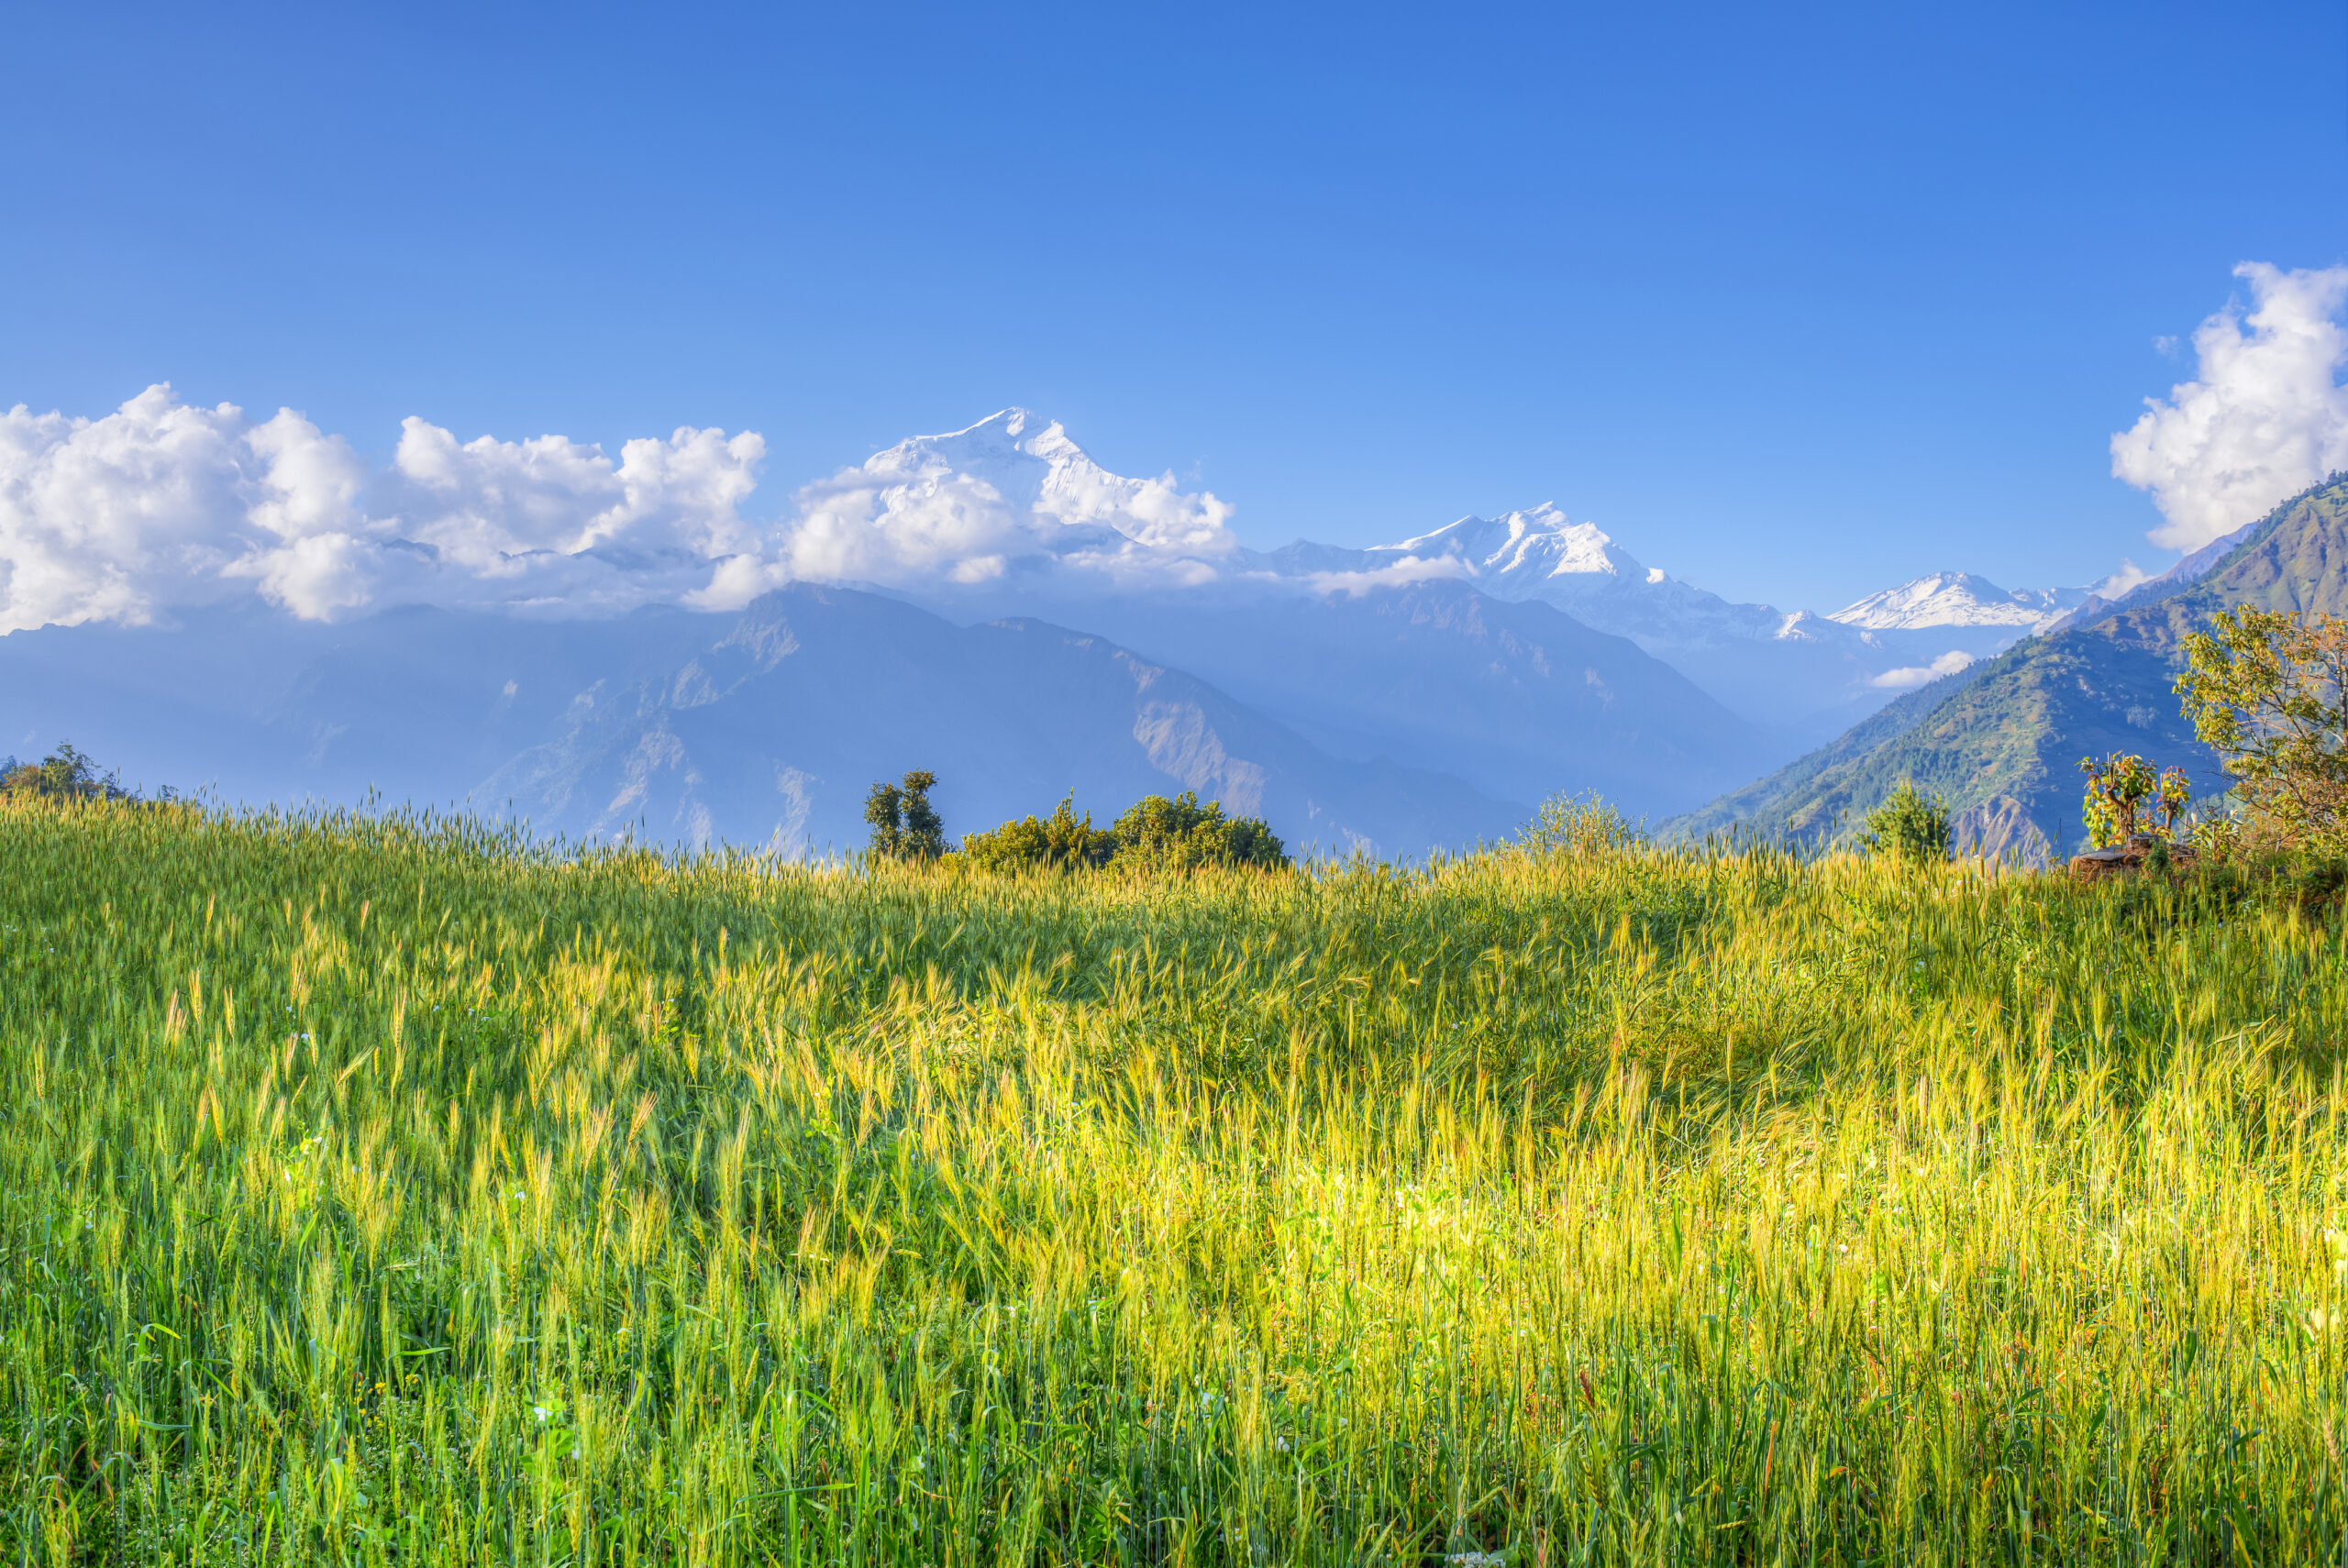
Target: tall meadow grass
x=391 y=1190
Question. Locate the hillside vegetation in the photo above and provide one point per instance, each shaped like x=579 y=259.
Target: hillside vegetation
x=391 y=1191
x=2001 y=742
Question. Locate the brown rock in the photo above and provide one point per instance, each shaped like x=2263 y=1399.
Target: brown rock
x=2125 y=859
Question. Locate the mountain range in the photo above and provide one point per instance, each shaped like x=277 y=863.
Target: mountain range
x=760 y=728
x=1092 y=548
x=992 y=605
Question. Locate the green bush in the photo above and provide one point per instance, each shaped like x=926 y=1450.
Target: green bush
x=1908 y=826
x=1155 y=834
x=1062 y=840
x=1179 y=834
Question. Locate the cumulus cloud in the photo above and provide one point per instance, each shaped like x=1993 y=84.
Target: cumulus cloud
x=1913 y=675
x=2265 y=416
x=161 y=505
x=550 y=523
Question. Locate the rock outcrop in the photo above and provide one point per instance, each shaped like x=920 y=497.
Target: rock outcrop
x=2127 y=859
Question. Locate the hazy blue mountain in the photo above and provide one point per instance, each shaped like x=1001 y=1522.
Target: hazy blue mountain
x=1520 y=698
x=2002 y=740
x=780 y=723
x=762 y=728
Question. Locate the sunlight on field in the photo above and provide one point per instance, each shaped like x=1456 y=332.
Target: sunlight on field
x=390 y=1191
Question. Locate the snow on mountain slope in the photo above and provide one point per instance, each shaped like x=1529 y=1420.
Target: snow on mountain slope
x=1578 y=568
x=1797 y=672
x=1958 y=598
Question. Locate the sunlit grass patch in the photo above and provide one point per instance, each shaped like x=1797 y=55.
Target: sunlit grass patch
x=395 y=1191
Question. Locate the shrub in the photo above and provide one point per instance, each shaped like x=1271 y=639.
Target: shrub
x=1179 y=834
x=1061 y=840
x=1155 y=834
x=1907 y=827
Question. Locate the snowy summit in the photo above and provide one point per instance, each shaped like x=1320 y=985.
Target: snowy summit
x=1958 y=598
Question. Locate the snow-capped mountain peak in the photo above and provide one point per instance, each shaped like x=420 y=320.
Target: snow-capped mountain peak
x=1015 y=444
x=1540 y=553
x=1540 y=542
x=1957 y=599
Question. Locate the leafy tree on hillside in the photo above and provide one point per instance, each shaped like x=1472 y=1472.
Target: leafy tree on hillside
x=1909 y=825
x=905 y=825
x=65 y=774
x=2268 y=692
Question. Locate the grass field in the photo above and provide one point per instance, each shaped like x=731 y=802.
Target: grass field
x=390 y=1192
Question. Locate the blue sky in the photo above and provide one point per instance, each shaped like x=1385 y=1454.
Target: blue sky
x=1797 y=302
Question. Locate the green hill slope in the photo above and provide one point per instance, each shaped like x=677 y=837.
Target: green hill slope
x=2001 y=742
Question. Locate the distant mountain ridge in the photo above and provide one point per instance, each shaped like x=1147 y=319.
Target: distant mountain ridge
x=1073 y=542
x=1797 y=672
x=1519 y=699
x=760 y=729
x=2001 y=741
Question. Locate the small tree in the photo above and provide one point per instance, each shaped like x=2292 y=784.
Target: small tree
x=2268 y=692
x=2171 y=795
x=1908 y=826
x=905 y=825
x=924 y=831
x=884 y=810
x=2117 y=788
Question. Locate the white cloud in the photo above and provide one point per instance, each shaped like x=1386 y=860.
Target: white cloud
x=2129 y=576
x=2265 y=414
x=1399 y=573
x=553 y=524
x=1009 y=500
x=1914 y=674
x=159 y=505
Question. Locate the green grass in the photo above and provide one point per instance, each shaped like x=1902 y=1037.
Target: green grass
x=391 y=1192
